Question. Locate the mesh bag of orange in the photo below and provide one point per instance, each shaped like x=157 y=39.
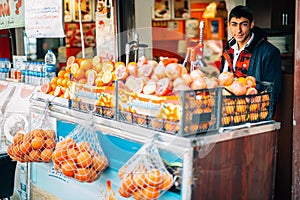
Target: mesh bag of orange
x=144 y=176
x=80 y=155
x=38 y=144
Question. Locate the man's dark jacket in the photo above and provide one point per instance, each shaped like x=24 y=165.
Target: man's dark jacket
x=265 y=62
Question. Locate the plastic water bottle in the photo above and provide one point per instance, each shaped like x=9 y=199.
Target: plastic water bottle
x=50 y=72
x=50 y=57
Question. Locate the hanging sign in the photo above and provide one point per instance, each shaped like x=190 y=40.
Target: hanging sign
x=44 y=20
x=11 y=14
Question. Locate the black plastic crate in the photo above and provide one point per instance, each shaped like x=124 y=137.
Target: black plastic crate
x=193 y=112
x=252 y=108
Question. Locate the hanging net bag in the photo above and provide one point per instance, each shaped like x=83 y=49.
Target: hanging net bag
x=144 y=176
x=80 y=155
x=38 y=144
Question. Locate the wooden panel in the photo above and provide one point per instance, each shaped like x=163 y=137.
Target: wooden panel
x=242 y=168
x=296 y=129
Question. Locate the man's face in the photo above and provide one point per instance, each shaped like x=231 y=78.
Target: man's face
x=240 y=29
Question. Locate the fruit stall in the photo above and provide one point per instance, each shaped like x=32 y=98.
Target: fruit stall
x=145 y=130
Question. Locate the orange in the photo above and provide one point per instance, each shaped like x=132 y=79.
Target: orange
x=38 y=132
x=82 y=174
x=53 y=87
x=61 y=73
x=107 y=66
x=154 y=177
x=66 y=144
x=124 y=193
x=226 y=120
x=138 y=195
x=127 y=185
x=46 y=88
x=84 y=147
x=64 y=82
x=46 y=155
x=139 y=179
x=68 y=168
x=79 y=74
x=150 y=192
x=18 y=138
x=37 y=142
x=25 y=147
x=96 y=60
x=50 y=133
x=59 y=81
x=90 y=76
x=229 y=106
x=34 y=155
x=58 y=91
x=60 y=155
x=67 y=75
x=28 y=137
x=74 y=68
x=241 y=105
x=49 y=143
x=72 y=154
x=242 y=80
x=10 y=150
x=253 y=116
x=251 y=91
x=16 y=151
x=167 y=182
x=122 y=171
x=84 y=159
x=86 y=64
x=68 y=68
x=54 y=80
x=93 y=175
x=98 y=163
x=264 y=114
x=107 y=77
x=251 y=81
x=71 y=60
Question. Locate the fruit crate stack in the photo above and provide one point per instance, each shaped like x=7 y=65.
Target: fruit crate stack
x=188 y=112
x=241 y=109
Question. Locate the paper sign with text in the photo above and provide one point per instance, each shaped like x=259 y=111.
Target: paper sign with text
x=44 y=20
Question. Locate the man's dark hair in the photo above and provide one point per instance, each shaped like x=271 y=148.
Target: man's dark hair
x=241 y=11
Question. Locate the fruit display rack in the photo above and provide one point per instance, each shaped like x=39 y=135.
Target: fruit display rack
x=237 y=110
x=185 y=113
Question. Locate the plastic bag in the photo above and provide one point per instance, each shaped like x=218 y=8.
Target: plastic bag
x=80 y=155
x=38 y=144
x=144 y=176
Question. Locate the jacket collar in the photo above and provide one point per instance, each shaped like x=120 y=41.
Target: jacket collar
x=259 y=35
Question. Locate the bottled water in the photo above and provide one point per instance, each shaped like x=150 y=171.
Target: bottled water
x=50 y=57
x=50 y=72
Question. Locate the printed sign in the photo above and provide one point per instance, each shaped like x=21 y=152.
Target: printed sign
x=12 y=14
x=44 y=20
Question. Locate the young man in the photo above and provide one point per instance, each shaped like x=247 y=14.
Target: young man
x=249 y=53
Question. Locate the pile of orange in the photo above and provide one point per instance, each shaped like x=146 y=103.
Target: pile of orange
x=78 y=160
x=35 y=146
x=247 y=106
x=59 y=85
x=142 y=183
